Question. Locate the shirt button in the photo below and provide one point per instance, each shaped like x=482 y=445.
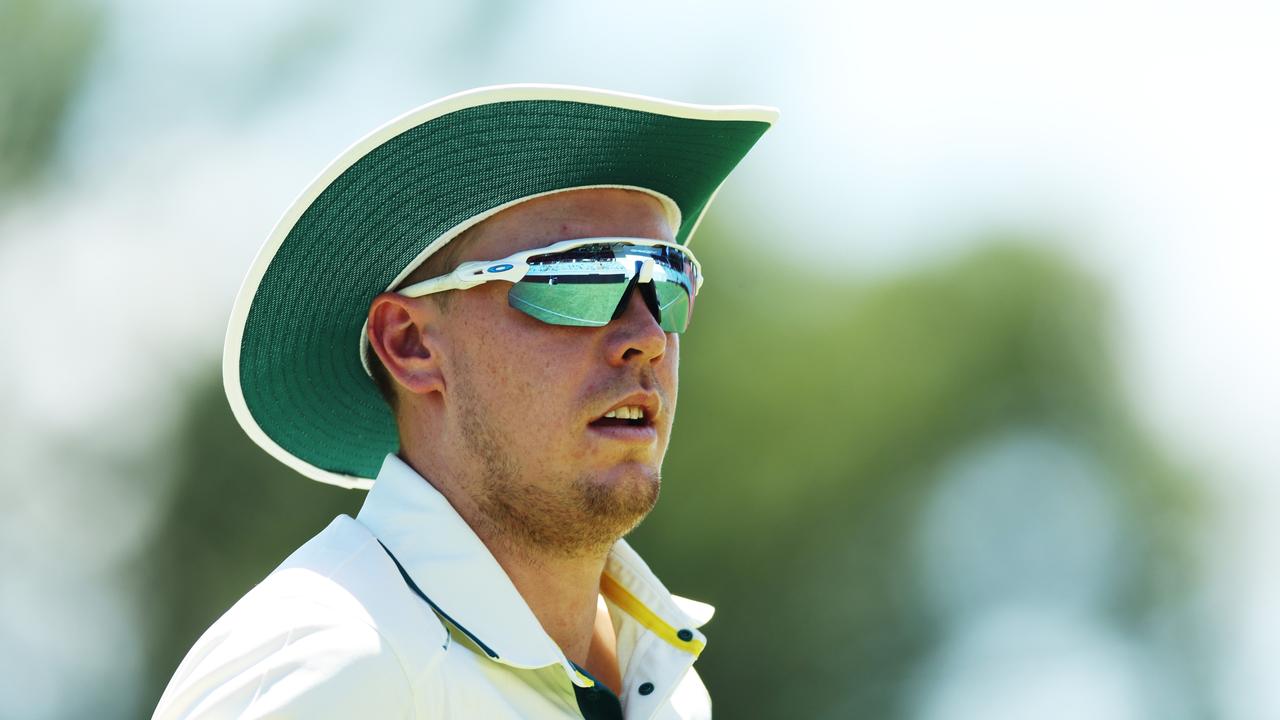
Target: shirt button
x=685 y=635
x=646 y=688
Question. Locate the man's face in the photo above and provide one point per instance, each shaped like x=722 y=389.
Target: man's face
x=524 y=400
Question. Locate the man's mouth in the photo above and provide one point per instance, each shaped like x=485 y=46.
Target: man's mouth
x=632 y=419
x=625 y=416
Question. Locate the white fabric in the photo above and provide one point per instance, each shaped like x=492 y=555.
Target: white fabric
x=335 y=631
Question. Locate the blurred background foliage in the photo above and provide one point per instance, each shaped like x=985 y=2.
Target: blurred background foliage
x=900 y=490
x=45 y=48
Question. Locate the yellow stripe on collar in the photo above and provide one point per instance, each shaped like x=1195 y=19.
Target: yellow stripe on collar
x=638 y=610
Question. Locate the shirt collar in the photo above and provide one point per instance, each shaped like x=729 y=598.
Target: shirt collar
x=458 y=574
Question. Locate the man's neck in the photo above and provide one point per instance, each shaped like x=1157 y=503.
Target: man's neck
x=564 y=594
x=563 y=591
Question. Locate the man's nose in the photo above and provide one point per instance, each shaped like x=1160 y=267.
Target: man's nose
x=636 y=334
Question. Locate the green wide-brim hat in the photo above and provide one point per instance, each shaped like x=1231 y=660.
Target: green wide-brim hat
x=294 y=366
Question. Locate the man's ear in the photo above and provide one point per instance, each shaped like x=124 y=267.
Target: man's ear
x=404 y=332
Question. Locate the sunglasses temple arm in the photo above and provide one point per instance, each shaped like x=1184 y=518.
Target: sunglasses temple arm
x=465 y=276
x=434 y=285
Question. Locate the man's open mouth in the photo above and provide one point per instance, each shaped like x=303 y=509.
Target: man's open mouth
x=626 y=416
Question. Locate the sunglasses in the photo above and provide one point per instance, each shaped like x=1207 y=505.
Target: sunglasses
x=587 y=282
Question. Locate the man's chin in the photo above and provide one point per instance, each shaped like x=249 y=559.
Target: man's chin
x=621 y=498
x=633 y=473
x=585 y=516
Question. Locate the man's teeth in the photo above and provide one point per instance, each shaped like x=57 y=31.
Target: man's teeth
x=629 y=412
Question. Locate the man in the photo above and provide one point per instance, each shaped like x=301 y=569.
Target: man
x=508 y=267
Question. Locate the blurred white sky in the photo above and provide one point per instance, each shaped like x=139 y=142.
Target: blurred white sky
x=1140 y=137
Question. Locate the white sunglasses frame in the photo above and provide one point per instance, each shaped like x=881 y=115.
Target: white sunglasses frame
x=514 y=267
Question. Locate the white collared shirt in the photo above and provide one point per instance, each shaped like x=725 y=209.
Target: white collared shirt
x=402 y=612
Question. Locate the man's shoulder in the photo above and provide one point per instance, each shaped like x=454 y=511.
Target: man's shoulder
x=343 y=566
x=331 y=626
x=345 y=571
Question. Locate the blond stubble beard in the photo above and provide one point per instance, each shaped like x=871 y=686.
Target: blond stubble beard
x=568 y=517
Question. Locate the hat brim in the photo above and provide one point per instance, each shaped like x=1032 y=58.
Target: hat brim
x=292 y=367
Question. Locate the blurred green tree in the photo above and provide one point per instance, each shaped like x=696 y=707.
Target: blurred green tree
x=45 y=48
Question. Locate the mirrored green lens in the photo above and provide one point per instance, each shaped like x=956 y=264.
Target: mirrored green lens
x=673 y=306
x=584 y=286
x=568 y=301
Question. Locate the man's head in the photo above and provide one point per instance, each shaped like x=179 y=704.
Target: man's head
x=296 y=355
x=504 y=412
